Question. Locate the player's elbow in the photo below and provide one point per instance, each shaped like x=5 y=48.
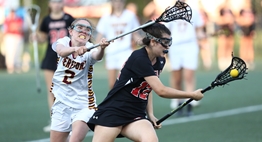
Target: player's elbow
x=60 y=52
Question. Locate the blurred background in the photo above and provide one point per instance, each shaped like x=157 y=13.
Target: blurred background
x=145 y=10
x=23 y=112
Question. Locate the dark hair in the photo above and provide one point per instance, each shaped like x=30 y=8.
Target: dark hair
x=78 y=19
x=241 y=12
x=156 y=30
x=223 y=11
x=50 y=10
x=112 y=8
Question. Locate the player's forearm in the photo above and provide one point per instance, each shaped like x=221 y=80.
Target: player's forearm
x=64 y=52
x=168 y=92
x=164 y=91
x=98 y=55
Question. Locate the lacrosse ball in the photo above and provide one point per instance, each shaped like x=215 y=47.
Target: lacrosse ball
x=234 y=73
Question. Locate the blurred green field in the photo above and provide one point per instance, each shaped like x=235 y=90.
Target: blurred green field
x=232 y=113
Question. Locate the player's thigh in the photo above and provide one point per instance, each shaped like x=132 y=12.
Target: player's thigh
x=79 y=131
x=48 y=77
x=80 y=119
x=105 y=134
x=141 y=130
x=56 y=136
x=189 y=74
x=82 y=114
x=112 y=74
x=60 y=123
x=60 y=118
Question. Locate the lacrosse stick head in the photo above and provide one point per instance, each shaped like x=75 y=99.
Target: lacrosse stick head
x=180 y=11
x=225 y=77
x=33 y=13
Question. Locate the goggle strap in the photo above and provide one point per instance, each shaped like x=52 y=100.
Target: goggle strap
x=149 y=36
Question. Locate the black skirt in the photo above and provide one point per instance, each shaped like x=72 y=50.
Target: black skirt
x=112 y=118
x=50 y=61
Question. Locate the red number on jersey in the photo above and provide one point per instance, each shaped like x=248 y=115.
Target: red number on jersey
x=56 y=34
x=142 y=91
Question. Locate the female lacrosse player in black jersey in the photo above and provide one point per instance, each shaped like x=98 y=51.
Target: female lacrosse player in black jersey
x=128 y=105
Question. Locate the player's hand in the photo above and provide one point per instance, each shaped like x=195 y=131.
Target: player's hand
x=104 y=43
x=153 y=119
x=197 y=95
x=79 y=51
x=32 y=37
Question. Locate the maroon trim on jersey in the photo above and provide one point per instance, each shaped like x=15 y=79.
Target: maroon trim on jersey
x=70 y=43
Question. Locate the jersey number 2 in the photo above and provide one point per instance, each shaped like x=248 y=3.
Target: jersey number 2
x=69 y=74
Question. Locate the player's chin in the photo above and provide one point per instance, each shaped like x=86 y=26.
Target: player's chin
x=162 y=55
x=82 y=41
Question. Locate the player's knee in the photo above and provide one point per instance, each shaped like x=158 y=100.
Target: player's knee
x=76 y=139
x=149 y=138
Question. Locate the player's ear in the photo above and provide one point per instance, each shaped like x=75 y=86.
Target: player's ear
x=70 y=31
x=153 y=42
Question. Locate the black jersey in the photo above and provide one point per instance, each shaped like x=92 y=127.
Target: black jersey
x=55 y=29
x=127 y=101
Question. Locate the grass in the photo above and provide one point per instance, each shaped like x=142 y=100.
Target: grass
x=24 y=112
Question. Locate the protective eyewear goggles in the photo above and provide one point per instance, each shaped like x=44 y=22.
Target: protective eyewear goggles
x=82 y=28
x=165 y=42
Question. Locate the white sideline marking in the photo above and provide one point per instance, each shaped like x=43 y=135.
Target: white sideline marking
x=194 y=118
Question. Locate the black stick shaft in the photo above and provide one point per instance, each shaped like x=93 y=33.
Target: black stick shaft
x=180 y=107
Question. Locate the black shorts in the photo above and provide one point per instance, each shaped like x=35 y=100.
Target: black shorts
x=111 y=118
x=50 y=61
x=247 y=30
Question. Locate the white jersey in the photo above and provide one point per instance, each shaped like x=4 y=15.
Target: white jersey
x=110 y=26
x=184 y=32
x=72 y=81
x=184 y=50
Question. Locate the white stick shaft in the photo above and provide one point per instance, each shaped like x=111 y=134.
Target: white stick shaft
x=121 y=35
x=37 y=70
x=33 y=25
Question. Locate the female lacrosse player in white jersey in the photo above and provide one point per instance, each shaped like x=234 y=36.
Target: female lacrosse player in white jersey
x=184 y=54
x=75 y=101
x=111 y=25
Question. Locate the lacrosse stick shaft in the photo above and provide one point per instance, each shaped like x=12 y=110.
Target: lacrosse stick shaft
x=33 y=22
x=180 y=107
x=35 y=46
x=179 y=11
x=124 y=34
x=221 y=79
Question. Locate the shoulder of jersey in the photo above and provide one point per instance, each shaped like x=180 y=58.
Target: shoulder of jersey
x=66 y=16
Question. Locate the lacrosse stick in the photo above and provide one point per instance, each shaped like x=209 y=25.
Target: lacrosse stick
x=180 y=10
x=221 y=79
x=33 y=13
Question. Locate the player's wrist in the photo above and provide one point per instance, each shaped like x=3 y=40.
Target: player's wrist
x=74 y=49
x=102 y=47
